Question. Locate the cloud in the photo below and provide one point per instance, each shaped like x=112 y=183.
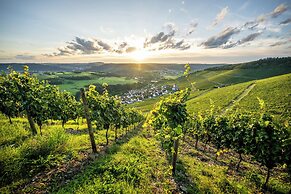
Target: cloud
x=161 y=36
x=252 y=25
x=130 y=49
x=90 y=46
x=220 y=16
x=166 y=40
x=221 y=39
x=248 y=38
x=173 y=44
x=24 y=57
x=192 y=28
x=85 y=46
x=279 y=43
x=65 y=51
x=170 y=28
x=286 y=22
x=162 y=41
x=279 y=10
x=103 y=45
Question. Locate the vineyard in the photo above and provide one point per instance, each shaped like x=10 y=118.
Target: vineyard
x=201 y=139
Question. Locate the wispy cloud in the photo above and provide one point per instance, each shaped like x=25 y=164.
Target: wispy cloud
x=192 y=27
x=166 y=40
x=244 y=5
x=24 y=57
x=286 y=22
x=259 y=21
x=246 y=39
x=220 y=16
x=221 y=39
x=280 y=43
x=279 y=10
x=161 y=36
x=162 y=41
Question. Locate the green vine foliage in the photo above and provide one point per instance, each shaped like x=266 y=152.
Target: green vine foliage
x=107 y=111
x=169 y=117
x=258 y=135
x=22 y=93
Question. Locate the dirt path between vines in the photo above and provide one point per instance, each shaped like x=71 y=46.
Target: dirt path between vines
x=238 y=98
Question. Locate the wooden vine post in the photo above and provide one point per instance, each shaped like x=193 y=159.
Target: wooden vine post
x=86 y=113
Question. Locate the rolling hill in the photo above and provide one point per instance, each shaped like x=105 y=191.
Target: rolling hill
x=222 y=85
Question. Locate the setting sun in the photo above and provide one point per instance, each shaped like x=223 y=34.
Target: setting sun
x=139 y=55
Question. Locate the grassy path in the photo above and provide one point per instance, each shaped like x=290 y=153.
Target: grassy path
x=54 y=178
x=135 y=166
x=238 y=98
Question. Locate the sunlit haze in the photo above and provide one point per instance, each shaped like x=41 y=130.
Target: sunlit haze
x=171 y=31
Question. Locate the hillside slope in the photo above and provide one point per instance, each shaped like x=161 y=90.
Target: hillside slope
x=236 y=73
x=224 y=84
x=274 y=91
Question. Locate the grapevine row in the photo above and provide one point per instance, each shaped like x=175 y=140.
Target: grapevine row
x=22 y=94
x=257 y=135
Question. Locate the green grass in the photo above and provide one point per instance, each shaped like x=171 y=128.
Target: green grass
x=14 y=133
x=275 y=92
x=146 y=105
x=220 y=98
x=22 y=155
x=136 y=166
x=74 y=86
x=73 y=81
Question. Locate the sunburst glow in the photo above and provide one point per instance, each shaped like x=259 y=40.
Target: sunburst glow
x=139 y=55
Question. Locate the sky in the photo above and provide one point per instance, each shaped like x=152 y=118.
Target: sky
x=159 y=31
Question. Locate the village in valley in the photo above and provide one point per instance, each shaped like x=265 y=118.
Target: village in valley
x=151 y=91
